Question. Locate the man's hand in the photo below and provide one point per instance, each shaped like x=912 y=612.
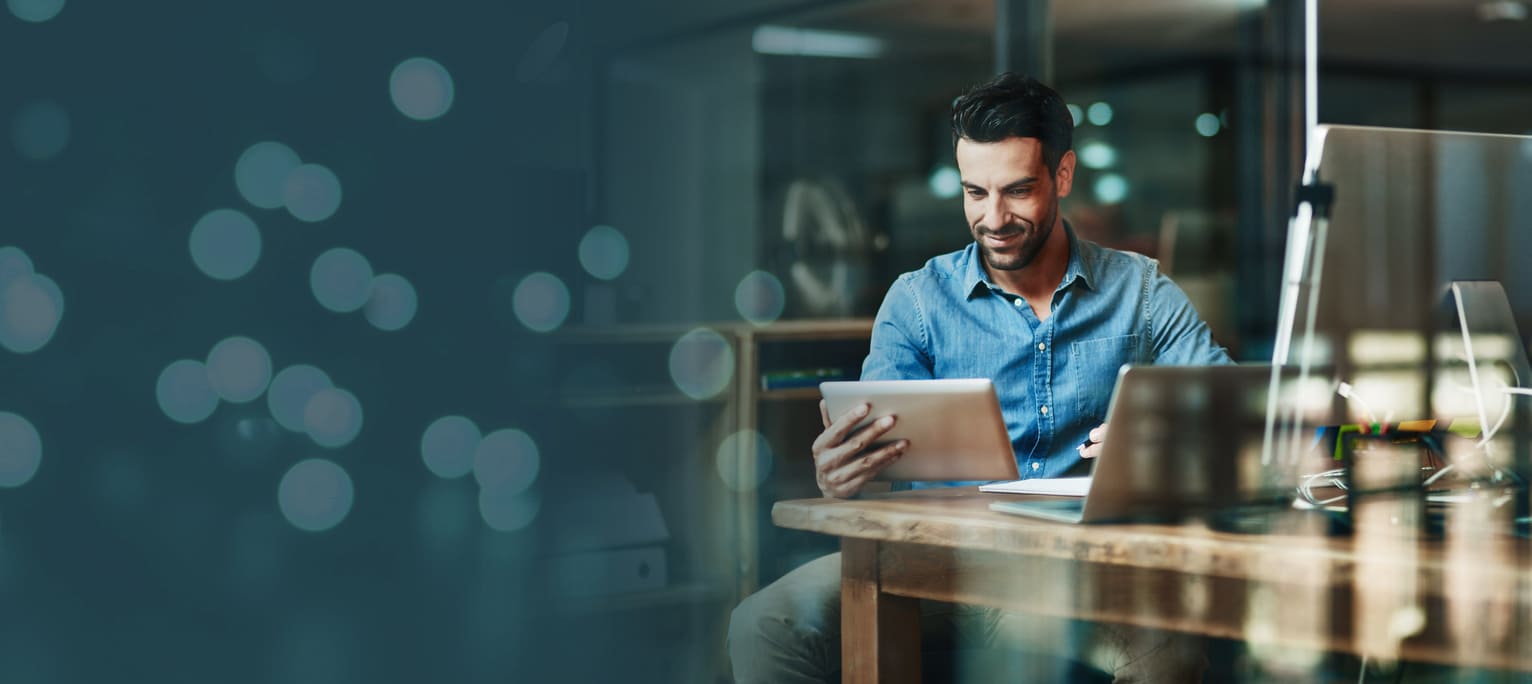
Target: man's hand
x=842 y=463
x=1092 y=447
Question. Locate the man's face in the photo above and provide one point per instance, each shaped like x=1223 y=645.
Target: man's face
x=1010 y=199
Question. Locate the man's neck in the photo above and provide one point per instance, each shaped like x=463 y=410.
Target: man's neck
x=1037 y=282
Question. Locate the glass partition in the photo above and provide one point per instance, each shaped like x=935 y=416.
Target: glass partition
x=772 y=174
x=1413 y=212
x=1413 y=424
x=806 y=152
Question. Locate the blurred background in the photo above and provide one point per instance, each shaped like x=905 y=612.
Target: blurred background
x=474 y=341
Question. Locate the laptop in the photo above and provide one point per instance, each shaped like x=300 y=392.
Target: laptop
x=1181 y=441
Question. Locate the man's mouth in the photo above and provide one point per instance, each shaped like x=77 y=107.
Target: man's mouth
x=1002 y=239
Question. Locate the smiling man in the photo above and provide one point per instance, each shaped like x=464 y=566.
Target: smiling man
x=1049 y=318
x=1012 y=189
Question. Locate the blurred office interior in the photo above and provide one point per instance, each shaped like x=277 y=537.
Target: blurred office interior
x=474 y=342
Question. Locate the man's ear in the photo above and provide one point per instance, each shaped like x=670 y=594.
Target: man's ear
x=1064 y=177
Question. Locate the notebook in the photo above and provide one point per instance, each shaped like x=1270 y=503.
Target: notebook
x=1051 y=486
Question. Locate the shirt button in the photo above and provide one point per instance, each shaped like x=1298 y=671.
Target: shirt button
x=1045 y=410
x=1018 y=302
x=1041 y=346
x=1035 y=466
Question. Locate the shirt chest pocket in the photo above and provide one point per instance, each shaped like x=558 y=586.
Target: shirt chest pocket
x=1094 y=365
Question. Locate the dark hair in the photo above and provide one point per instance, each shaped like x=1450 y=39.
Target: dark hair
x=1014 y=106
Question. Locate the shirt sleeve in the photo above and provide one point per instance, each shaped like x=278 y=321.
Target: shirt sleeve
x=1178 y=336
x=901 y=345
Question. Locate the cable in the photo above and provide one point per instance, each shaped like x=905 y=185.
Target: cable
x=1344 y=389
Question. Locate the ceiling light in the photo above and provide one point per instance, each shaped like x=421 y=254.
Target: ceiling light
x=1502 y=10
x=782 y=40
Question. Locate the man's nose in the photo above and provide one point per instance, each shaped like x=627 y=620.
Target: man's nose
x=994 y=211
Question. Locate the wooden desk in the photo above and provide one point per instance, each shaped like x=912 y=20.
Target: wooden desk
x=1463 y=599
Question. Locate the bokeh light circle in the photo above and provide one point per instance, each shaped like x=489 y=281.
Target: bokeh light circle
x=290 y=391
x=506 y=459
x=238 y=368
x=760 y=298
x=945 y=182
x=184 y=393
x=35 y=11
x=1098 y=155
x=1207 y=124
x=21 y=450
x=225 y=244
x=421 y=88
x=604 y=252
x=541 y=302
x=506 y=511
x=311 y=193
x=1099 y=113
x=731 y=456
x=701 y=363
x=392 y=304
x=14 y=263
x=1111 y=188
x=315 y=495
x=261 y=173
x=449 y=445
x=31 y=307
x=341 y=280
x=332 y=417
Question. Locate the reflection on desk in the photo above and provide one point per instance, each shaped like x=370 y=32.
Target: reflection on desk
x=1290 y=595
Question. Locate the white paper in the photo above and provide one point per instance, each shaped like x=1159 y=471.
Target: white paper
x=1057 y=486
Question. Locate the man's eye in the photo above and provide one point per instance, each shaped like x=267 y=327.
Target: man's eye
x=1020 y=192
x=976 y=194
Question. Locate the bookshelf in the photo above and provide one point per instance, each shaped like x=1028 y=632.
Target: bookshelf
x=617 y=380
x=787 y=417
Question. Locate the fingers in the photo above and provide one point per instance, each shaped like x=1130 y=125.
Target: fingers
x=835 y=455
x=847 y=480
x=836 y=432
x=837 y=468
x=824 y=413
x=1092 y=447
x=1091 y=451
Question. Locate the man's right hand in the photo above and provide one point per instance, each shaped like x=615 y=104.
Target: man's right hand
x=842 y=461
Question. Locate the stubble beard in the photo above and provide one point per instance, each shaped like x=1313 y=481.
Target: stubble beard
x=1026 y=251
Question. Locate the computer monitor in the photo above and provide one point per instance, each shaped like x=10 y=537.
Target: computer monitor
x=1410 y=300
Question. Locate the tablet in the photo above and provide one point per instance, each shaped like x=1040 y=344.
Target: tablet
x=954 y=426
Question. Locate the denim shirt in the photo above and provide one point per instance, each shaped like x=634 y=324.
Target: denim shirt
x=1053 y=377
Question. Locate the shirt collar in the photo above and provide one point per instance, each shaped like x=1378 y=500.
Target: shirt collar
x=1082 y=266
